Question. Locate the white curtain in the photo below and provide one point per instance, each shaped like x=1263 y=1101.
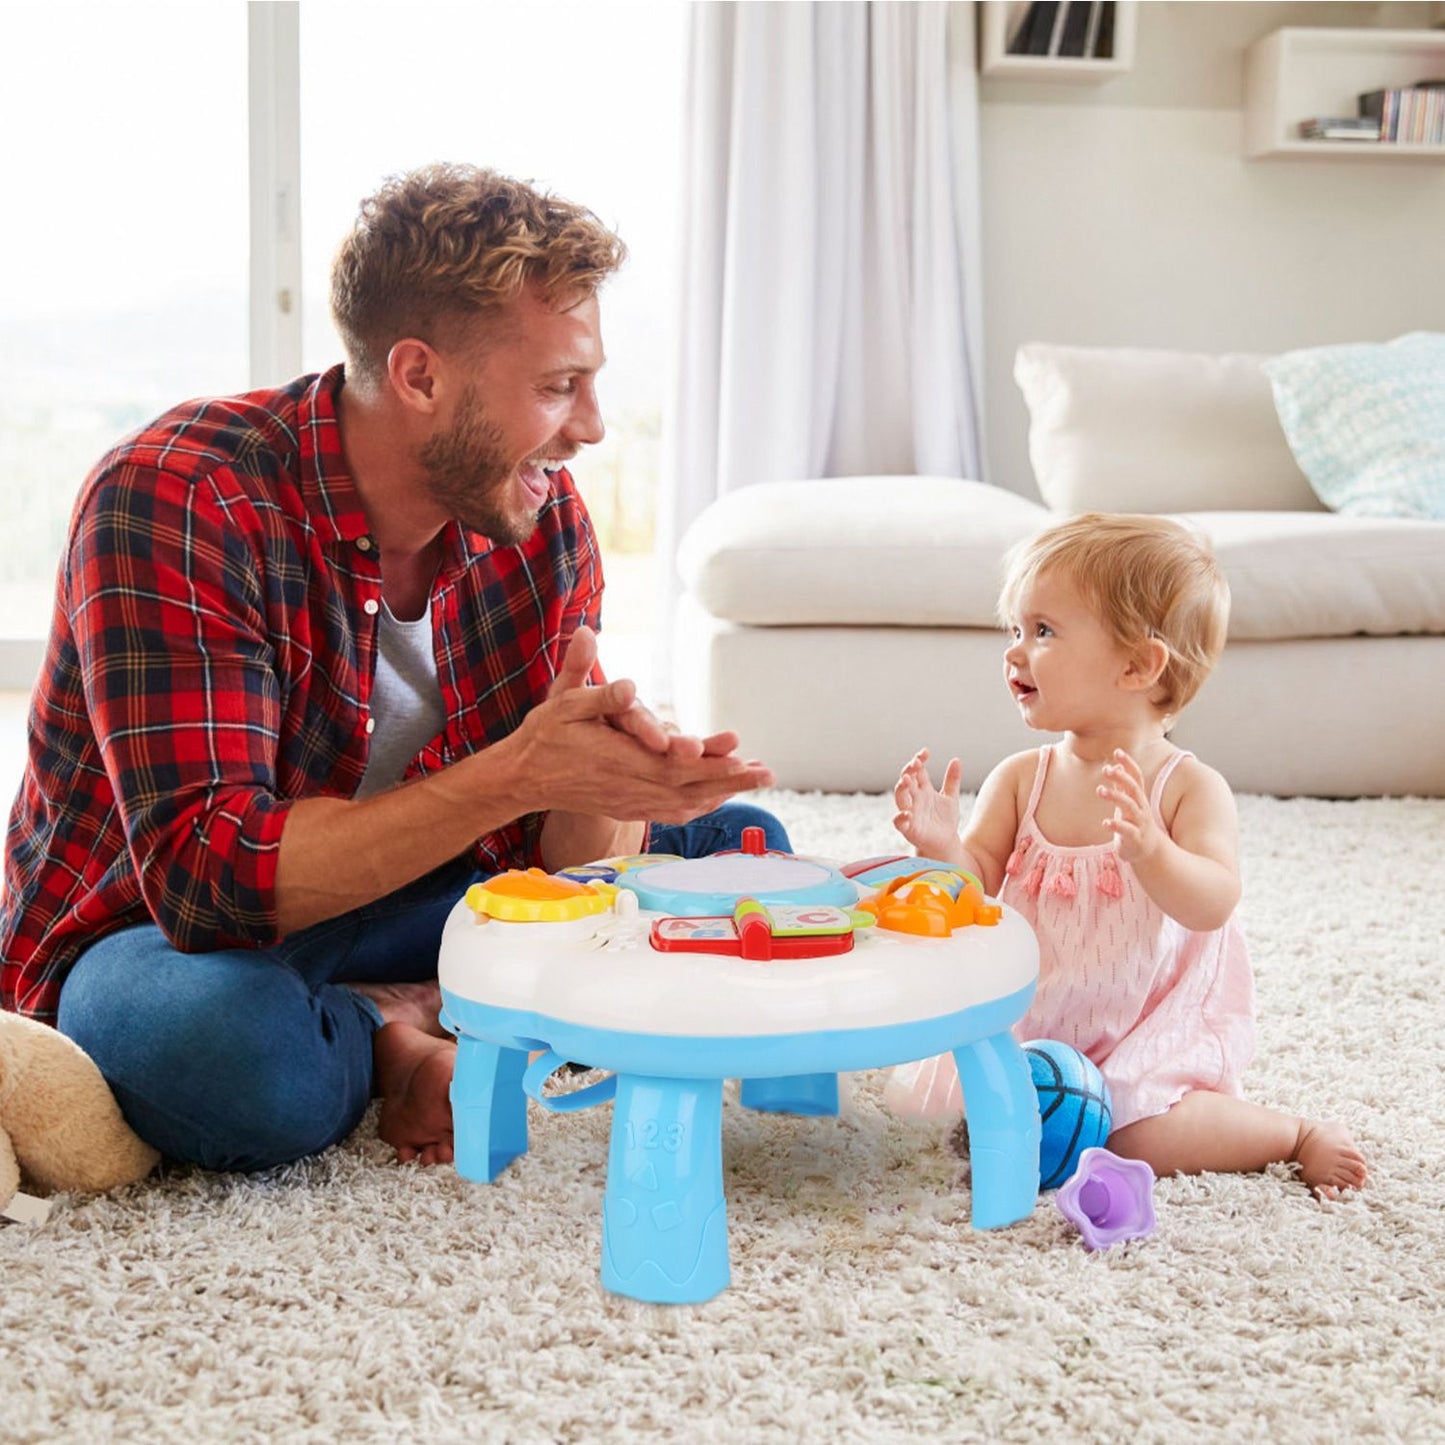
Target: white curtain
x=829 y=308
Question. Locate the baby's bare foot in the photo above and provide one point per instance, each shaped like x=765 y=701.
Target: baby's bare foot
x=417 y=1004
x=1328 y=1158
x=413 y=1077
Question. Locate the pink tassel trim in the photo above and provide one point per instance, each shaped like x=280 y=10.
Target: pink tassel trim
x=1035 y=880
x=1016 y=858
x=1111 y=885
x=1063 y=885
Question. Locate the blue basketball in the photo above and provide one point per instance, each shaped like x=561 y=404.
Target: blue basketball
x=1074 y=1108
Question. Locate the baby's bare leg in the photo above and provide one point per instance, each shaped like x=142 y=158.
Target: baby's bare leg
x=1214 y=1132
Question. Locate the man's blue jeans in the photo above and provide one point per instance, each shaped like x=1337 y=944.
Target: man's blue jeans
x=247 y=1058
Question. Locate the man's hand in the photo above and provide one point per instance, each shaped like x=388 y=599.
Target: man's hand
x=927 y=817
x=598 y=750
x=593 y=758
x=635 y=719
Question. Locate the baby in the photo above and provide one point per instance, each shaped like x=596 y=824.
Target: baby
x=1115 y=622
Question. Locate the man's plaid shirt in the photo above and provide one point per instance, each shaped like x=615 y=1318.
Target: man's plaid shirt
x=211 y=661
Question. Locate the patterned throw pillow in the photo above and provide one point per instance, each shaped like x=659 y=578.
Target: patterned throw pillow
x=1366 y=423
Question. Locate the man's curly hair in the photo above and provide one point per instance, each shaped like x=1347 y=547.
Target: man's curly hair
x=442 y=246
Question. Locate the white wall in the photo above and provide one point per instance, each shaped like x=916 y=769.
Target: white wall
x=1124 y=213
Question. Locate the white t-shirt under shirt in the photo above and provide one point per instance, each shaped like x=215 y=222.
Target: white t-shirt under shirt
x=406 y=700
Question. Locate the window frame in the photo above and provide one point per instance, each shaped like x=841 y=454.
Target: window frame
x=273 y=59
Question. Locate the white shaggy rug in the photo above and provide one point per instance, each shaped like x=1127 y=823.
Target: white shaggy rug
x=349 y=1299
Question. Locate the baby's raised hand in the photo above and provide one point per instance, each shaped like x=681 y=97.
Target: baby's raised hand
x=1136 y=835
x=927 y=816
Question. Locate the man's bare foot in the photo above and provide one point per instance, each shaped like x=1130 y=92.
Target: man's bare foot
x=417 y=1004
x=413 y=1071
x=1328 y=1158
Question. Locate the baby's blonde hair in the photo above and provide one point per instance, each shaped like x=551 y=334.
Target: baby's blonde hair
x=1145 y=577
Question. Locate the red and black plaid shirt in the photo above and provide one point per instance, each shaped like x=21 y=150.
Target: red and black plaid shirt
x=211 y=661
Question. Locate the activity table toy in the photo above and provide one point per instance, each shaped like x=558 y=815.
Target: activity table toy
x=775 y=969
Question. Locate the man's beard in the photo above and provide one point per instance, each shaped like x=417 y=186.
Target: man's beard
x=468 y=474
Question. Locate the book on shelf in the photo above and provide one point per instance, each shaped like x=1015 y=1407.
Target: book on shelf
x=1408 y=114
x=1041 y=26
x=1076 y=27
x=1016 y=35
x=1066 y=29
x=1021 y=36
x=1056 y=35
x=1104 y=41
x=1340 y=127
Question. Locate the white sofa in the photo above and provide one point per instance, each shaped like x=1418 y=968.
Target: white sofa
x=838 y=625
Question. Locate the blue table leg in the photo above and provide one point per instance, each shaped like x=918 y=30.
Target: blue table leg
x=664 y=1220
x=813 y=1094
x=489 y=1109
x=1003 y=1129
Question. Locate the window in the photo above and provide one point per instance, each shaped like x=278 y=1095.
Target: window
x=125 y=290
x=123 y=283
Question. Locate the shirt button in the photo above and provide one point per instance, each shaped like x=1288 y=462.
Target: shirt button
x=371 y=607
x=363 y=544
x=370 y=725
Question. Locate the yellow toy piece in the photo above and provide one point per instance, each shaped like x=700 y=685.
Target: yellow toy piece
x=533 y=896
x=932 y=903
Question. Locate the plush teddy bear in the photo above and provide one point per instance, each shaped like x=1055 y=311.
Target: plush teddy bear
x=60 y=1127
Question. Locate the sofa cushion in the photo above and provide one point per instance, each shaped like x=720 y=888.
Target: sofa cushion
x=1315 y=574
x=1118 y=429
x=896 y=551
x=929 y=551
x=1367 y=423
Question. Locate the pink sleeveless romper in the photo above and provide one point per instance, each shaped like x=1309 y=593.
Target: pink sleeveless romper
x=1160 y=1009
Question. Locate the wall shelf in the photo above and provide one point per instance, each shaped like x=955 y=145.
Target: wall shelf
x=1295 y=74
x=998 y=19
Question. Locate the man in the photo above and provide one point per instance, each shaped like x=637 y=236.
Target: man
x=321 y=656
